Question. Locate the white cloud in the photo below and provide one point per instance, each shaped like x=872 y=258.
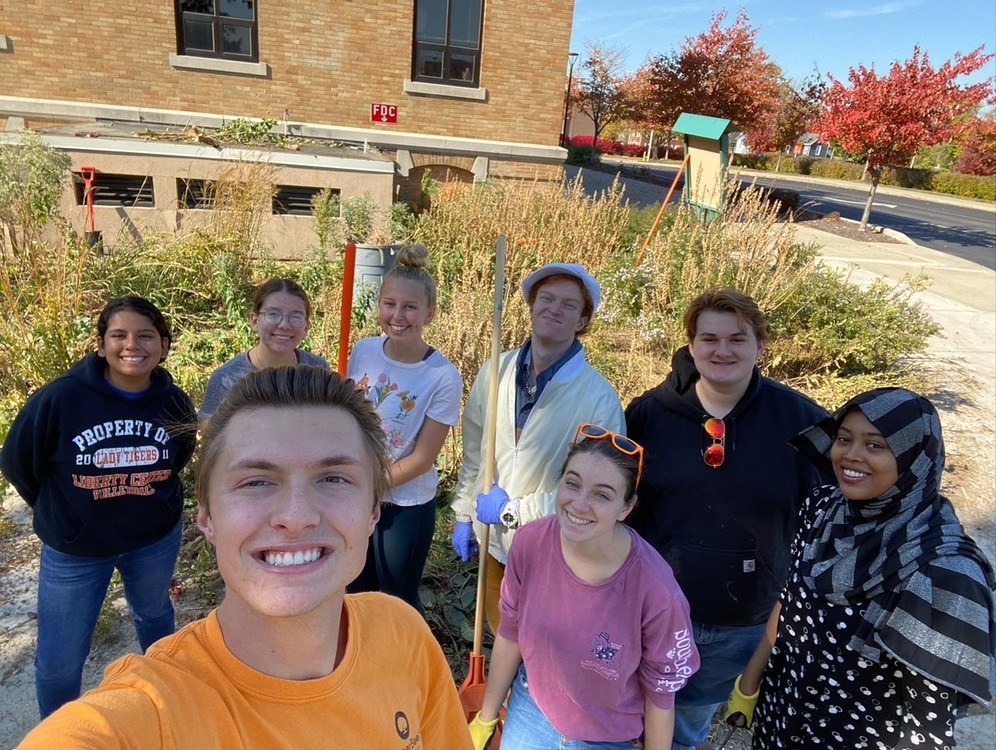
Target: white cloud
x=876 y=10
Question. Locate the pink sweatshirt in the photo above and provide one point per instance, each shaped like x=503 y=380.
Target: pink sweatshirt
x=594 y=653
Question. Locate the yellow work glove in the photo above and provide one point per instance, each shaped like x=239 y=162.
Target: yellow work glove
x=481 y=731
x=740 y=709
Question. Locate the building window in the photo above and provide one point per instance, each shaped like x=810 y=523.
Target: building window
x=295 y=200
x=117 y=190
x=194 y=193
x=217 y=28
x=447 y=44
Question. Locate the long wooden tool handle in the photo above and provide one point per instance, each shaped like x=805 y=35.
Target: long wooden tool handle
x=660 y=214
x=490 y=433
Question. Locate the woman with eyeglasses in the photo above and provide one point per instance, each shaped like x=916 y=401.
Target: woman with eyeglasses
x=97 y=454
x=886 y=625
x=595 y=636
x=280 y=313
x=721 y=491
x=416 y=391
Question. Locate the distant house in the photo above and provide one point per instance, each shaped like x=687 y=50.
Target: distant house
x=387 y=90
x=810 y=145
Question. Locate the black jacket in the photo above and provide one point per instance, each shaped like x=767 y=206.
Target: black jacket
x=725 y=531
x=100 y=470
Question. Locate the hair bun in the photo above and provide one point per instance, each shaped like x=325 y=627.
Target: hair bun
x=415 y=256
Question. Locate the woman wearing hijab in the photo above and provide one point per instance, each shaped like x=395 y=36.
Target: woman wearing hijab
x=886 y=625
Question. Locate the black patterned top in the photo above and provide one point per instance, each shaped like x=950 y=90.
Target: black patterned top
x=817 y=693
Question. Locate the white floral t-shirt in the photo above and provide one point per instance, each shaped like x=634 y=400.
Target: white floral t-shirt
x=405 y=394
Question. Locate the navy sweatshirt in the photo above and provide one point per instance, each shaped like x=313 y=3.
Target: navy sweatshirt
x=101 y=471
x=726 y=531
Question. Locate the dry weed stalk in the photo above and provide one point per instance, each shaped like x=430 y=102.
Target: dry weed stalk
x=242 y=197
x=543 y=222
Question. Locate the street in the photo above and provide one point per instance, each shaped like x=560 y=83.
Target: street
x=954 y=227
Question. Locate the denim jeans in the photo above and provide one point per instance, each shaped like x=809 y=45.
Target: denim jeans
x=526 y=728
x=397 y=552
x=724 y=652
x=71 y=590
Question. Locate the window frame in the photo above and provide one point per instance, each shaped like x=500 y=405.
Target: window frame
x=447 y=49
x=216 y=20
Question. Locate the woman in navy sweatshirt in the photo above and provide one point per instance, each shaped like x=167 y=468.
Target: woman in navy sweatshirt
x=97 y=454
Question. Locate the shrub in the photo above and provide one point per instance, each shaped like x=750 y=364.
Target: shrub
x=604 y=145
x=633 y=149
x=33 y=176
x=920 y=179
x=579 y=154
x=837 y=169
x=965 y=185
x=750 y=161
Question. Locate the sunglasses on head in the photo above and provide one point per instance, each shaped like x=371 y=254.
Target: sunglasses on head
x=620 y=442
x=715 y=454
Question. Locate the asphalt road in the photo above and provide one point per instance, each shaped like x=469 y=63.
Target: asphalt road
x=959 y=230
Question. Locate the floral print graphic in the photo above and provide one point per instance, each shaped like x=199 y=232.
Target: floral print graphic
x=379 y=393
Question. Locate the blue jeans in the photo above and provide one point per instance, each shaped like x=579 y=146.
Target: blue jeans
x=526 y=728
x=71 y=590
x=724 y=652
x=397 y=552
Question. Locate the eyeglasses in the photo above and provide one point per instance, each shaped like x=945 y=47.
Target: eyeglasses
x=620 y=442
x=715 y=454
x=274 y=318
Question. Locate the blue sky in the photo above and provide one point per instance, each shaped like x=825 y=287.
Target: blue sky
x=834 y=35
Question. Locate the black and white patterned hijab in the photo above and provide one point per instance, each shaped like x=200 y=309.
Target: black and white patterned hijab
x=925 y=586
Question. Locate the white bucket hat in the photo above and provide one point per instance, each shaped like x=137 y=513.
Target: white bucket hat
x=570 y=269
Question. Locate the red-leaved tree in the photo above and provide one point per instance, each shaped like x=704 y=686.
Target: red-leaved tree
x=601 y=90
x=887 y=118
x=978 y=150
x=722 y=72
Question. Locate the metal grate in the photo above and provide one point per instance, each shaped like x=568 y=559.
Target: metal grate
x=117 y=190
x=294 y=200
x=192 y=193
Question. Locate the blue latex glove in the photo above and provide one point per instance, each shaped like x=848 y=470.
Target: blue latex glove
x=463 y=539
x=490 y=504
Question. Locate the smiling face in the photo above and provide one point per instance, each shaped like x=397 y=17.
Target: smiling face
x=284 y=336
x=132 y=347
x=863 y=462
x=724 y=350
x=403 y=311
x=291 y=509
x=591 y=498
x=557 y=312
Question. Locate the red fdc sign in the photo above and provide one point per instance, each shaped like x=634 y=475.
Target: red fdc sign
x=384 y=113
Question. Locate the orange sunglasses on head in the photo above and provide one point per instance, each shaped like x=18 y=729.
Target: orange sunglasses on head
x=620 y=442
x=715 y=454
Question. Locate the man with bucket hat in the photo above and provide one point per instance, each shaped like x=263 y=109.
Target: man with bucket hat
x=546 y=389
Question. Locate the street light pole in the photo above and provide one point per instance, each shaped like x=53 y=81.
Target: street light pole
x=565 y=141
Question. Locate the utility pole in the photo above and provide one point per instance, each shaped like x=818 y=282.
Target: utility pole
x=573 y=56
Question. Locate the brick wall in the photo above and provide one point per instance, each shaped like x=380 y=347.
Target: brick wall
x=328 y=62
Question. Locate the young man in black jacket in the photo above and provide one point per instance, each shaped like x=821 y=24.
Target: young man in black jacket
x=721 y=489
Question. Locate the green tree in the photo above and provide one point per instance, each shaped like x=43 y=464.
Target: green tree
x=32 y=179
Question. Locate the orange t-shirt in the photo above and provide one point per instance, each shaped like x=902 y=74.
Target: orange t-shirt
x=393 y=690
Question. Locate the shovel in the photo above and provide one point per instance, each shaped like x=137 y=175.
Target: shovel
x=472 y=690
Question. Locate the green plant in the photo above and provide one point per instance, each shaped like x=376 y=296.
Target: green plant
x=400 y=222
x=32 y=179
x=244 y=131
x=358 y=217
x=326 y=211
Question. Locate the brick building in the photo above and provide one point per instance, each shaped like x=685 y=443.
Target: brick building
x=472 y=88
